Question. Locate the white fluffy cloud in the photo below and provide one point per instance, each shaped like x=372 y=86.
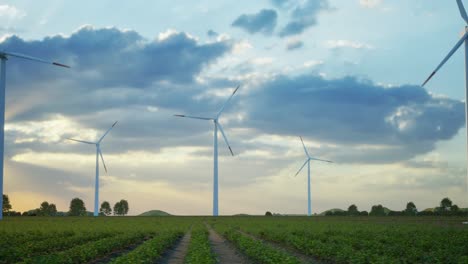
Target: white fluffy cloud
x=342 y=43
x=11 y=12
x=370 y=3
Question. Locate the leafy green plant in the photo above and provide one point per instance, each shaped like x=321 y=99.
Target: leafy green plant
x=199 y=250
x=151 y=250
x=259 y=251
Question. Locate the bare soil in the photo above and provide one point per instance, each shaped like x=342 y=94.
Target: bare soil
x=224 y=250
x=177 y=254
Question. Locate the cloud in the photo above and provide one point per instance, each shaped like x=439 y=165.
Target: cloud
x=338 y=44
x=212 y=33
x=110 y=67
x=381 y=124
x=262 y=22
x=11 y=30
x=131 y=60
x=370 y=3
x=11 y=12
x=294 y=44
x=303 y=14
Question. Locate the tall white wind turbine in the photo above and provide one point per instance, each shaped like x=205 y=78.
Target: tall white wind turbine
x=463 y=40
x=4 y=57
x=98 y=153
x=309 y=158
x=217 y=126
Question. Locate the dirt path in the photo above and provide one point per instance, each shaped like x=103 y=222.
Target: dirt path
x=301 y=256
x=176 y=255
x=224 y=250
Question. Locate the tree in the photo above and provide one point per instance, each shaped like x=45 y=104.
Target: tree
x=6 y=204
x=121 y=208
x=77 y=207
x=13 y=213
x=268 y=213
x=105 y=209
x=353 y=210
x=124 y=206
x=47 y=209
x=363 y=213
x=396 y=213
x=44 y=207
x=377 y=210
x=445 y=207
x=117 y=208
x=446 y=204
x=52 y=210
x=411 y=209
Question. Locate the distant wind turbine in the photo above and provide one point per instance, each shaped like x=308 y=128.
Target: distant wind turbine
x=463 y=40
x=98 y=153
x=309 y=158
x=4 y=57
x=215 y=152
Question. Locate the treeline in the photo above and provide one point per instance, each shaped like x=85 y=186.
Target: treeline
x=77 y=208
x=446 y=208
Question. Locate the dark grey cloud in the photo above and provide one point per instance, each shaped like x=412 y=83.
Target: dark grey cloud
x=261 y=22
x=110 y=68
x=302 y=14
x=212 y=33
x=109 y=57
x=398 y=123
x=294 y=45
x=115 y=75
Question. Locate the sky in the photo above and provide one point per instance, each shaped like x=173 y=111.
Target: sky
x=344 y=75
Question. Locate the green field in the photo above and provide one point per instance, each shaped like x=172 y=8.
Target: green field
x=259 y=239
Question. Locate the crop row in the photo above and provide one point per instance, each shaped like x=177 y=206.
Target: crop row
x=51 y=244
x=16 y=238
x=151 y=250
x=365 y=243
x=89 y=251
x=255 y=249
x=199 y=250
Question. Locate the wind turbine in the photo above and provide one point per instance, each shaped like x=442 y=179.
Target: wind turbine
x=98 y=153
x=463 y=40
x=309 y=158
x=217 y=126
x=4 y=57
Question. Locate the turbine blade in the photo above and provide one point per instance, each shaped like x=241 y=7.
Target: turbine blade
x=459 y=43
x=22 y=56
x=82 y=141
x=102 y=158
x=301 y=167
x=462 y=10
x=195 y=117
x=225 y=138
x=108 y=130
x=329 y=161
x=305 y=149
x=229 y=99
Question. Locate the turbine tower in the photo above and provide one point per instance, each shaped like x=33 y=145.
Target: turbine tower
x=98 y=153
x=309 y=158
x=463 y=40
x=217 y=126
x=4 y=57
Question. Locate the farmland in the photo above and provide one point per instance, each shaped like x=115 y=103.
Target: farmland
x=255 y=239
